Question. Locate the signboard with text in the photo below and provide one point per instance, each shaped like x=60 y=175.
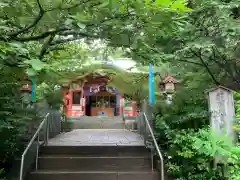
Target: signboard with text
x=221 y=107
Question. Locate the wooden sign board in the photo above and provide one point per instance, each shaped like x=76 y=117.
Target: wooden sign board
x=221 y=107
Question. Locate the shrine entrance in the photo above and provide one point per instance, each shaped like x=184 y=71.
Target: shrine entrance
x=103 y=103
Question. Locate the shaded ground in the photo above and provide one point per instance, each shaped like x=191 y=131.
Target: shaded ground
x=96 y=137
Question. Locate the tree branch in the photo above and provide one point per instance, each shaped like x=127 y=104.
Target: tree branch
x=34 y=23
x=46 y=45
x=205 y=65
x=62 y=41
x=225 y=66
x=181 y=60
x=40 y=36
x=48 y=33
x=191 y=62
x=54 y=48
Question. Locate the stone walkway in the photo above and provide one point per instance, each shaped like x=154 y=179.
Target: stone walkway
x=97 y=137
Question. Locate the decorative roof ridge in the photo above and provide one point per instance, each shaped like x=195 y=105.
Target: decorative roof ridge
x=169 y=78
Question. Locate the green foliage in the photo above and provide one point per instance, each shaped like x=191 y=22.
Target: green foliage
x=15 y=120
x=185 y=137
x=44 y=39
x=14 y=54
x=208 y=37
x=40 y=27
x=52 y=94
x=54 y=98
x=236 y=127
x=190 y=108
x=2 y=173
x=192 y=154
x=237 y=104
x=203 y=53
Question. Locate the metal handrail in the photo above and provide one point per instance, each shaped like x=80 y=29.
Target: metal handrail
x=36 y=135
x=156 y=146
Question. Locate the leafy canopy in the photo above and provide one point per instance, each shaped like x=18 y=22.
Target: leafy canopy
x=36 y=27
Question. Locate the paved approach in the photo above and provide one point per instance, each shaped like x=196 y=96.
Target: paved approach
x=97 y=137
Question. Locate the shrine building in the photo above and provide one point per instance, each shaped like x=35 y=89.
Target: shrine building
x=91 y=96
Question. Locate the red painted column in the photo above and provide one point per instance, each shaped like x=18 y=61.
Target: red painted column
x=70 y=103
x=121 y=107
x=134 y=108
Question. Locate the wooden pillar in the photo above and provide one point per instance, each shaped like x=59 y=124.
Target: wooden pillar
x=134 y=108
x=69 y=107
x=83 y=99
x=121 y=106
x=65 y=91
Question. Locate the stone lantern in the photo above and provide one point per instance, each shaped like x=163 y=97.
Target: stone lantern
x=168 y=87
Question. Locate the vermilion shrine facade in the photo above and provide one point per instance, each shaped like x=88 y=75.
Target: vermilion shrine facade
x=91 y=96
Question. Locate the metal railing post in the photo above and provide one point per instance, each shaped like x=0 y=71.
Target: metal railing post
x=21 y=168
x=156 y=146
x=36 y=135
x=37 y=152
x=152 y=159
x=144 y=130
x=45 y=131
x=48 y=124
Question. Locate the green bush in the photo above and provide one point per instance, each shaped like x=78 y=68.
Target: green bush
x=16 y=122
x=185 y=138
x=236 y=127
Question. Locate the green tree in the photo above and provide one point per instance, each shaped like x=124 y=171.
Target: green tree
x=32 y=29
x=185 y=137
x=209 y=39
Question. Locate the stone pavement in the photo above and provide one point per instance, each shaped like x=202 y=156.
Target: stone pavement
x=97 y=122
x=97 y=137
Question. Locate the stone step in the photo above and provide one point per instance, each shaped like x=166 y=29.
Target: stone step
x=94 y=150
x=96 y=123
x=94 y=163
x=104 y=118
x=93 y=175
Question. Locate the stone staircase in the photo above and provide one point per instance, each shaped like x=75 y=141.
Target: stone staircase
x=97 y=122
x=94 y=163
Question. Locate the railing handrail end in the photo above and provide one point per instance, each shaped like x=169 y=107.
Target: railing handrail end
x=30 y=143
x=156 y=145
